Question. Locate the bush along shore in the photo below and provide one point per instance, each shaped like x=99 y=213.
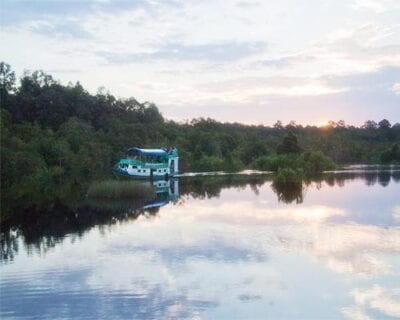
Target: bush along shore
x=291 y=165
x=290 y=159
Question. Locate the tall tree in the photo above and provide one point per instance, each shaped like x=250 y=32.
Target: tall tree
x=289 y=145
x=384 y=124
x=7 y=82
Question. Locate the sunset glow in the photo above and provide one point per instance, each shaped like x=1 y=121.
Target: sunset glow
x=323 y=123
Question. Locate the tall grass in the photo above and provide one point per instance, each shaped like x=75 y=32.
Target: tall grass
x=113 y=189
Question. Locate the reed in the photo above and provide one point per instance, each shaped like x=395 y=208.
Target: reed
x=113 y=189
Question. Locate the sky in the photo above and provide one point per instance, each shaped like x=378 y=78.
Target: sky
x=247 y=61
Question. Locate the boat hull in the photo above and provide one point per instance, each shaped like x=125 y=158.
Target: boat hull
x=154 y=176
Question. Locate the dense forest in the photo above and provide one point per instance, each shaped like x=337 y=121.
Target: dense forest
x=52 y=134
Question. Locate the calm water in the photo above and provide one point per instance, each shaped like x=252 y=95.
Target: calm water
x=216 y=248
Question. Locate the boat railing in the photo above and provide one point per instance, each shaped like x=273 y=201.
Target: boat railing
x=150 y=165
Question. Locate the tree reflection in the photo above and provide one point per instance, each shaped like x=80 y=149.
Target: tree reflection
x=9 y=245
x=396 y=176
x=384 y=178
x=40 y=229
x=289 y=194
x=43 y=230
x=206 y=187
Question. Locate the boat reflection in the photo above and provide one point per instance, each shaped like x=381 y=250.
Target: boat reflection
x=166 y=191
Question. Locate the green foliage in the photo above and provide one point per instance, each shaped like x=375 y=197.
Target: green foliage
x=315 y=162
x=252 y=149
x=289 y=145
x=114 y=189
x=232 y=164
x=391 y=155
x=209 y=163
x=7 y=82
x=274 y=162
x=384 y=124
x=310 y=162
x=288 y=176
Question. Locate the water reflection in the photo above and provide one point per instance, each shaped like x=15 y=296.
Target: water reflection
x=45 y=229
x=214 y=247
x=372 y=176
x=289 y=194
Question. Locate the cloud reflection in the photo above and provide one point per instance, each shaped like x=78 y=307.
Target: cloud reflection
x=238 y=251
x=342 y=247
x=396 y=214
x=204 y=257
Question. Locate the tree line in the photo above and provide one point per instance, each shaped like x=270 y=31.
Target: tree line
x=53 y=133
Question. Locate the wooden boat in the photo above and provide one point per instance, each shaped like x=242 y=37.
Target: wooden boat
x=149 y=163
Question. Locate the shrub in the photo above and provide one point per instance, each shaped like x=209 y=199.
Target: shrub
x=288 y=177
x=232 y=164
x=274 y=162
x=391 y=155
x=314 y=162
x=209 y=163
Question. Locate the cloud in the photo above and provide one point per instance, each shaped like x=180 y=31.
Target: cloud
x=247 y=297
x=220 y=52
x=396 y=88
x=15 y=12
x=355 y=313
x=381 y=79
x=256 y=61
x=384 y=300
x=375 y=5
x=285 y=61
x=63 y=29
x=247 y=4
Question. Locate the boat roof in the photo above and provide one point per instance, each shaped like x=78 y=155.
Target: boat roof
x=148 y=152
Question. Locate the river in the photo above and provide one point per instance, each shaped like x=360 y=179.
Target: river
x=232 y=247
